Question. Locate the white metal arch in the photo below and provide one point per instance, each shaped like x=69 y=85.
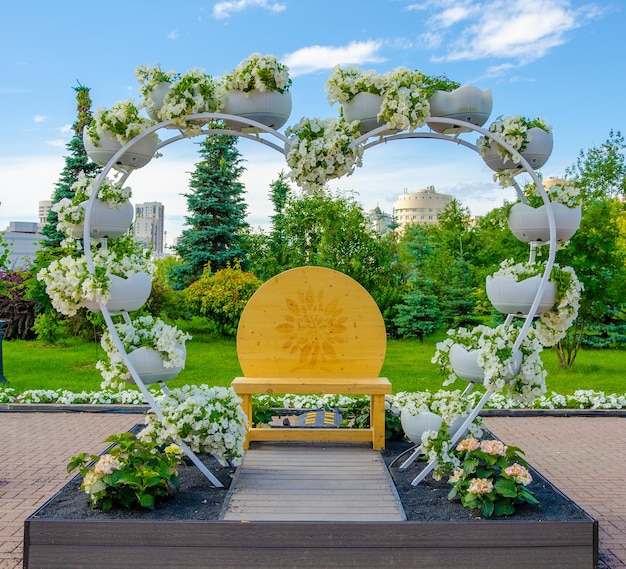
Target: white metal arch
x=258 y=132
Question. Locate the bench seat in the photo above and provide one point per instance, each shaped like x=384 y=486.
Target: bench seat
x=375 y=387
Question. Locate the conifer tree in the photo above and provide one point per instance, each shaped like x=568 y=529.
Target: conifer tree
x=217 y=212
x=75 y=162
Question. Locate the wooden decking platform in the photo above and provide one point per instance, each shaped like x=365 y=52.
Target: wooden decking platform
x=314 y=482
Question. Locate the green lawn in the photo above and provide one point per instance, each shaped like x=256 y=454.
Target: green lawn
x=32 y=365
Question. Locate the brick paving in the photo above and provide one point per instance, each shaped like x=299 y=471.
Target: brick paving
x=585 y=457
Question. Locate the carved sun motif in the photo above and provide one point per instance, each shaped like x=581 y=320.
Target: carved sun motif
x=313 y=328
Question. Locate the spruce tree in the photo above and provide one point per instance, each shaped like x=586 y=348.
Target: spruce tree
x=217 y=212
x=75 y=162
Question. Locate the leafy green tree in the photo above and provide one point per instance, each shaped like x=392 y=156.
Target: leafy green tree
x=331 y=230
x=600 y=172
x=217 y=212
x=596 y=251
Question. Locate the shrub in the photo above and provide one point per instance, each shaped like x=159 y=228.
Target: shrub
x=15 y=308
x=221 y=297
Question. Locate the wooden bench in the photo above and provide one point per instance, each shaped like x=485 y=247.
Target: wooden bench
x=313 y=330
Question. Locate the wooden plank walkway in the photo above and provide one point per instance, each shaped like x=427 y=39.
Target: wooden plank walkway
x=287 y=482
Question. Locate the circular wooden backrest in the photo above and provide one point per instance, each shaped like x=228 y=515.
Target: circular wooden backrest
x=311 y=322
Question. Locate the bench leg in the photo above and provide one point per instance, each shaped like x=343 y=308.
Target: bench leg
x=246 y=405
x=377 y=421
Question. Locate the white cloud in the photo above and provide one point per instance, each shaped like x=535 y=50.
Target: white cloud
x=318 y=57
x=172 y=35
x=523 y=30
x=40 y=118
x=57 y=142
x=226 y=9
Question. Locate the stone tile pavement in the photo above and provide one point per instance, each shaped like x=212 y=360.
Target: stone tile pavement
x=585 y=457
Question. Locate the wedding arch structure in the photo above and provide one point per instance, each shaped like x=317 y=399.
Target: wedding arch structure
x=226 y=124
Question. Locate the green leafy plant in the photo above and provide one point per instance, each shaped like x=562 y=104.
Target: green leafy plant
x=132 y=473
x=491 y=477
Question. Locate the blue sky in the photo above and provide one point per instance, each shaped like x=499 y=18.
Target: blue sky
x=562 y=60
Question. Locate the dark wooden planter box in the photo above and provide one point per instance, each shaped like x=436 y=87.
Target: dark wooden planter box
x=64 y=544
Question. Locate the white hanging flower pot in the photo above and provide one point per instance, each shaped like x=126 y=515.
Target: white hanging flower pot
x=106 y=221
x=531 y=224
x=465 y=364
x=157 y=98
x=512 y=297
x=364 y=107
x=270 y=108
x=456 y=424
x=415 y=426
x=467 y=103
x=137 y=156
x=125 y=294
x=148 y=363
x=536 y=153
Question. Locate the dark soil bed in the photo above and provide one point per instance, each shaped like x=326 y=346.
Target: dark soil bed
x=196 y=499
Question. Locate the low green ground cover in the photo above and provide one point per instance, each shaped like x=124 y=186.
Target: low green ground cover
x=71 y=366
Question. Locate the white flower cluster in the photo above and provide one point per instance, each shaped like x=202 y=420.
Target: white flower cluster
x=258 y=72
x=143 y=331
x=551 y=326
x=321 y=150
x=565 y=193
x=405 y=103
x=195 y=92
x=122 y=122
x=69 y=283
x=449 y=405
x=514 y=131
x=69 y=211
x=209 y=419
x=495 y=357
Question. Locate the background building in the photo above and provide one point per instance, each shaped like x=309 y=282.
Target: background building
x=422 y=206
x=23 y=240
x=44 y=209
x=148 y=227
x=380 y=221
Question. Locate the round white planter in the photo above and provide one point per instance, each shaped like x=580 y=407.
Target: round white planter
x=148 y=364
x=364 y=107
x=512 y=297
x=531 y=224
x=126 y=294
x=537 y=152
x=467 y=103
x=415 y=426
x=270 y=108
x=157 y=97
x=465 y=364
x=106 y=221
x=137 y=156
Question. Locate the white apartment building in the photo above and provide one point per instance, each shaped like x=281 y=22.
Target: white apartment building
x=148 y=228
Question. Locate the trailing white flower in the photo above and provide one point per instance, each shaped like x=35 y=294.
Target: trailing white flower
x=320 y=150
x=69 y=283
x=404 y=93
x=122 y=122
x=496 y=358
x=551 y=326
x=209 y=419
x=143 y=331
x=148 y=78
x=558 y=191
x=514 y=130
x=194 y=92
x=258 y=72
x=69 y=211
